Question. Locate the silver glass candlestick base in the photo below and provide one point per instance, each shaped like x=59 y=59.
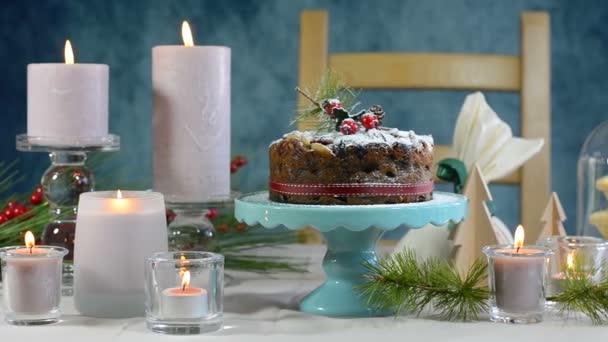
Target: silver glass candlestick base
x=62 y=183
x=190 y=227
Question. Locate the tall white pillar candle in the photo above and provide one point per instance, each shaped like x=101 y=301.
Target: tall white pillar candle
x=115 y=233
x=68 y=101
x=191 y=91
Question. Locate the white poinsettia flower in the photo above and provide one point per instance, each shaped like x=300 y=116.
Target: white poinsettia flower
x=482 y=137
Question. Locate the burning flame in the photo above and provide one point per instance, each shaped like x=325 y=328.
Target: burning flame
x=118 y=194
x=187 y=34
x=68 y=52
x=182 y=270
x=185 y=280
x=30 y=240
x=570 y=260
x=519 y=237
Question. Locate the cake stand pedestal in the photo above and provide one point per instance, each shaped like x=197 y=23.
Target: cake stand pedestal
x=351 y=233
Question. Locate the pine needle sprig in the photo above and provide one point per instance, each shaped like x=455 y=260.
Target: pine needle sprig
x=582 y=293
x=403 y=284
x=332 y=86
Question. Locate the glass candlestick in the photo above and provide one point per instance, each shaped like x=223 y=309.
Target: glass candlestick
x=190 y=224
x=63 y=181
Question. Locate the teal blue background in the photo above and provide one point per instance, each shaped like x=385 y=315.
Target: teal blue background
x=263 y=36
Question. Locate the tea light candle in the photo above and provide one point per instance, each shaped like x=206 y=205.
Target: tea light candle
x=184 y=301
x=558 y=278
x=32 y=281
x=191 y=120
x=67 y=100
x=517 y=280
x=115 y=233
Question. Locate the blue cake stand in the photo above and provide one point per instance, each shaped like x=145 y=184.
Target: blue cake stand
x=351 y=233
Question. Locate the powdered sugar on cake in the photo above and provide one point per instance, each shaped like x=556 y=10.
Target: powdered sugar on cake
x=388 y=136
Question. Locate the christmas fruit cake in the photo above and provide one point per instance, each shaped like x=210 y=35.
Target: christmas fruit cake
x=358 y=163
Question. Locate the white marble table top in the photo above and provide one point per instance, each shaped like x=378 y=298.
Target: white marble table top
x=264 y=308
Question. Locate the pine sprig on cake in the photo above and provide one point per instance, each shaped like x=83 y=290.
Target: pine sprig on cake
x=330 y=103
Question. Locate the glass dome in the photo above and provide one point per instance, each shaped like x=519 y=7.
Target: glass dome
x=592 y=201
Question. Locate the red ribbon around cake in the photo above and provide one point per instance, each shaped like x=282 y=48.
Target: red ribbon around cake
x=369 y=189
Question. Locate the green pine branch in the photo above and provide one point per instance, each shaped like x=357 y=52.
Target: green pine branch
x=403 y=284
x=582 y=293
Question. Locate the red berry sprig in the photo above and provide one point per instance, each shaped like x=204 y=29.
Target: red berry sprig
x=12 y=210
x=37 y=196
x=170 y=215
x=212 y=213
x=348 y=127
x=369 y=121
x=237 y=163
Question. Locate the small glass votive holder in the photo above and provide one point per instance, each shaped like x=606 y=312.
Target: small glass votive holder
x=587 y=252
x=184 y=292
x=517 y=280
x=31 y=288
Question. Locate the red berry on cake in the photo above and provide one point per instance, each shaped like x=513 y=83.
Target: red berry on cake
x=369 y=121
x=378 y=111
x=348 y=127
x=330 y=104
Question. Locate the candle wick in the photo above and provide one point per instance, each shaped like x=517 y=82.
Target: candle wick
x=518 y=250
x=31 y=249
x=184 y=287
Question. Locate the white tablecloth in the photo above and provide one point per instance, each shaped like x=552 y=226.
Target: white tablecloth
x=264 y=308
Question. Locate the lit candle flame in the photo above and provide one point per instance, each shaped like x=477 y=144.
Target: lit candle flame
x=187 y=34
x=185 y=280
x=182 y=270
x=570 y=260
x=68 y=53
x=118 y=194
x=519 y=237
x=30 y=240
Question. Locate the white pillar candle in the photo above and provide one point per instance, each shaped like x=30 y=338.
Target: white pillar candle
x=191 y=91
x=67 y=100
x=115 y=233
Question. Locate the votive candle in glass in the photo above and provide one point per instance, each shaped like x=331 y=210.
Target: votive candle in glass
x=517 y=279
x=586 y=252
x=31 y=288
x=184 y=292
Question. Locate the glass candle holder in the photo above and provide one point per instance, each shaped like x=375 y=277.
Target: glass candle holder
x=587 y=252
x=517 y=280
x=184 y=292
x=31 y=288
